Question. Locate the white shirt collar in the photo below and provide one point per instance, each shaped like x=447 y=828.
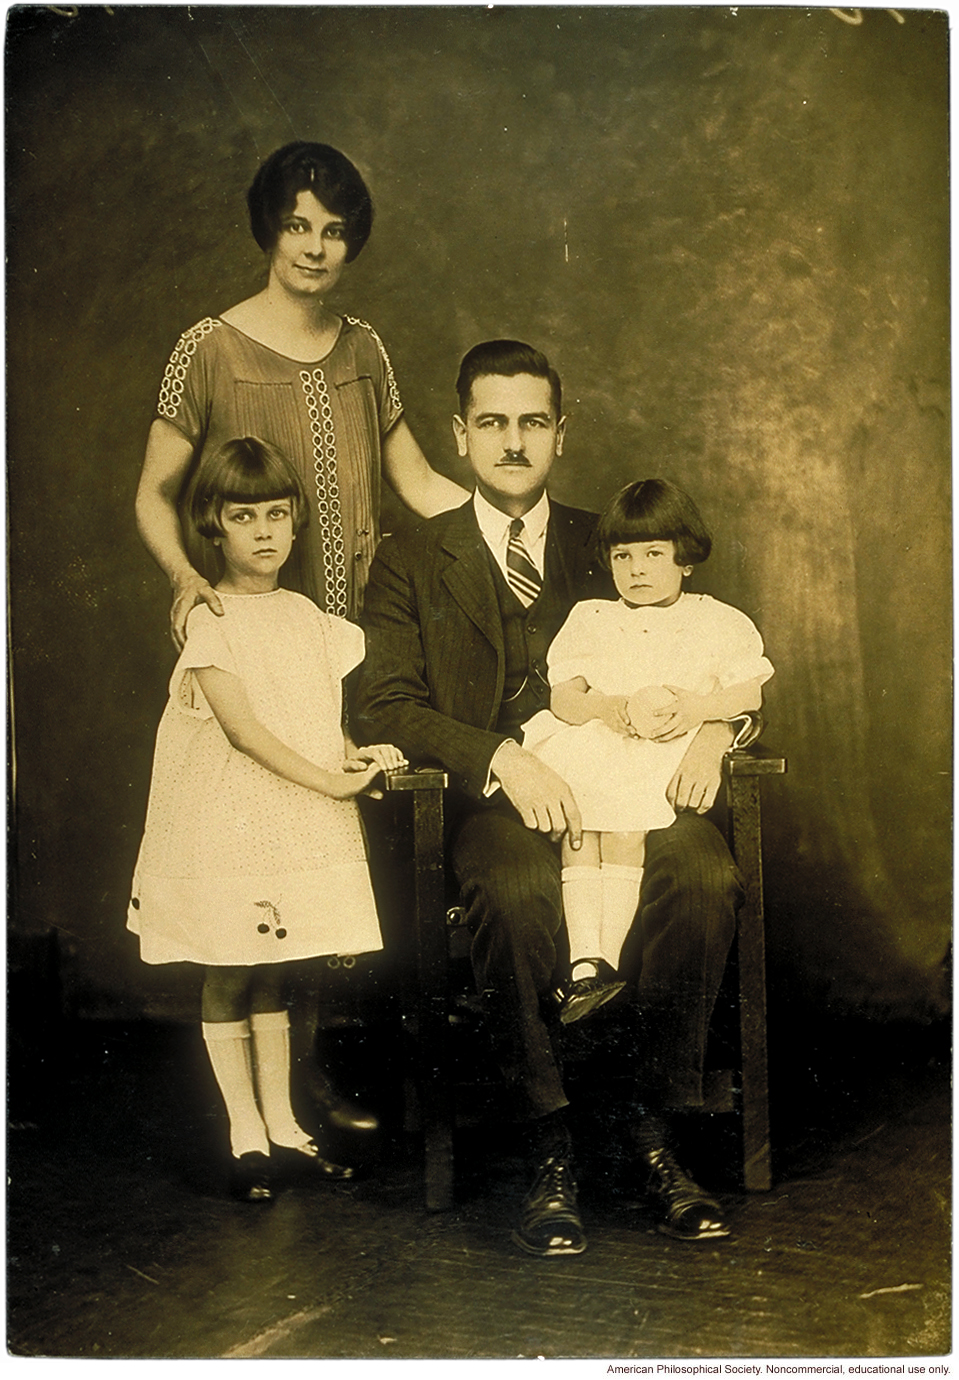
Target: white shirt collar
x=495 y=525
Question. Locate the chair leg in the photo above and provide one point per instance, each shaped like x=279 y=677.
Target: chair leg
x=746 y=829
x=432 y=999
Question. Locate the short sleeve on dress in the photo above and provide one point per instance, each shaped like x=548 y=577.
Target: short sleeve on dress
x=742 y=649
x=347 y=643
x=185 y=389
x=388 y=403
x=574 y=649
x=206 y=645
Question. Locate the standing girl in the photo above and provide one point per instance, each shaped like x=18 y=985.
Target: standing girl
x=288 y=366
x=253 y=853
x=633 y=680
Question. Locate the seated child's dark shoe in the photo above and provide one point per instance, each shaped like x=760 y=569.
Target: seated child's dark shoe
x=579 y=997
x=250 y=1178
x=306 y=1159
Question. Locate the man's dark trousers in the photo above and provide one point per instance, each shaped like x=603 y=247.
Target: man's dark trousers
x=674 y=956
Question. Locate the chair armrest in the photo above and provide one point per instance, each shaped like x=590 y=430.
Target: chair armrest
x=756 y=760
x=420 y=779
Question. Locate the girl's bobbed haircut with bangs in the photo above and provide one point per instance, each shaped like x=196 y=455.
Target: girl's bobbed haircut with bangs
x=245 y=470
x=305 y=167
x=654 y=510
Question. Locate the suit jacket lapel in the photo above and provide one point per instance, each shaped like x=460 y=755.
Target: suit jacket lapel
x=469 y=579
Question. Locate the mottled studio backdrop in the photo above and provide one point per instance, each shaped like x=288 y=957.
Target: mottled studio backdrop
x=727 y=227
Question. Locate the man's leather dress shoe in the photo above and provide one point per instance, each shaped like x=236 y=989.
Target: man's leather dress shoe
x=686 y=1211
x=336 y=1112
x=549 y=1223
x=250 y=1178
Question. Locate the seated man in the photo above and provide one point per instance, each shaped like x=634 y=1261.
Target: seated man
x=459 y=615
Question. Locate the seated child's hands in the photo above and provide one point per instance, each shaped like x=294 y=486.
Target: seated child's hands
x=611 y=709
x=644 y=707
x=686 y=712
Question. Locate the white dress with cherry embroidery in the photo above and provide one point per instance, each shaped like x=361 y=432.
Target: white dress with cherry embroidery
x=697 y=643
x=238 y=866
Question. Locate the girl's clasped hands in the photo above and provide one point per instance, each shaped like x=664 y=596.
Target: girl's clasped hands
x=658 y=712
x=364 y=764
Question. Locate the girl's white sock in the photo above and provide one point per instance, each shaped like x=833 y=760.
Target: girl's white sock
x=620 y=886
x=228 y=1045
x=271 y=1053
x=583 y=908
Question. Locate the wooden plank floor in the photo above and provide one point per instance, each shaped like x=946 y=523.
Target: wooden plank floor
x=122 y=1243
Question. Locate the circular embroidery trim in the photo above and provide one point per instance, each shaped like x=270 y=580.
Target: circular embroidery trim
x=317 y=396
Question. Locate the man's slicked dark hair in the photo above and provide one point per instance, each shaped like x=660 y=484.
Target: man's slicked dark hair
x=654 y=510
x=316 y=168
x=506 y=357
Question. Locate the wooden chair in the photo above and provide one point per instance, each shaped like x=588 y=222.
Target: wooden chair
x=425 y=994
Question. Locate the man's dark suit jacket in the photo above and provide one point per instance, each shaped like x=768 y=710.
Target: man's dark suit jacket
x=432 y=681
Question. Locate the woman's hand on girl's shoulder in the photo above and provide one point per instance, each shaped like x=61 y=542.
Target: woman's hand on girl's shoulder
x=186 y=595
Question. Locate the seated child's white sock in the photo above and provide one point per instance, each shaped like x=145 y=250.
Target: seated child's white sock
x=228 y=1045
x=271 y=1052
x=620 y=887
x=583 y=908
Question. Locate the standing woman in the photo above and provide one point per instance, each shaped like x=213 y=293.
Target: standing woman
x=285 y=368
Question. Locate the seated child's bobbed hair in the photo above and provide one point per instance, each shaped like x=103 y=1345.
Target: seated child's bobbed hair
x=654 y=510
x=245 y=470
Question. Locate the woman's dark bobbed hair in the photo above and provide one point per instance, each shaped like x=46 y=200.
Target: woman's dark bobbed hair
x=654 y=510
x=245 y=470
x=316 y=168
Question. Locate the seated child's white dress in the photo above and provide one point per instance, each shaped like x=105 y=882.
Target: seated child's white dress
x=238 y=866
x=697 y=643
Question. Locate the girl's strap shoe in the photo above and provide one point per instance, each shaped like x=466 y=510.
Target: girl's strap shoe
x=250 y=1178
x=308 y=1160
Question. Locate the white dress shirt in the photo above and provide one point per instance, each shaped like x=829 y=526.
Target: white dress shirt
x=495 y=526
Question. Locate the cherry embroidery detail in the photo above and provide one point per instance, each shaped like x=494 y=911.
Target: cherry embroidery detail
x=263 y=927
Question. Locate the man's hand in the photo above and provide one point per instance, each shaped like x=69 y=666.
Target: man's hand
x=697 y=777
x=543 y=799
x=187 y=593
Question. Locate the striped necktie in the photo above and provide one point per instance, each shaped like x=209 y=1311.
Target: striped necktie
x=524 y=579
